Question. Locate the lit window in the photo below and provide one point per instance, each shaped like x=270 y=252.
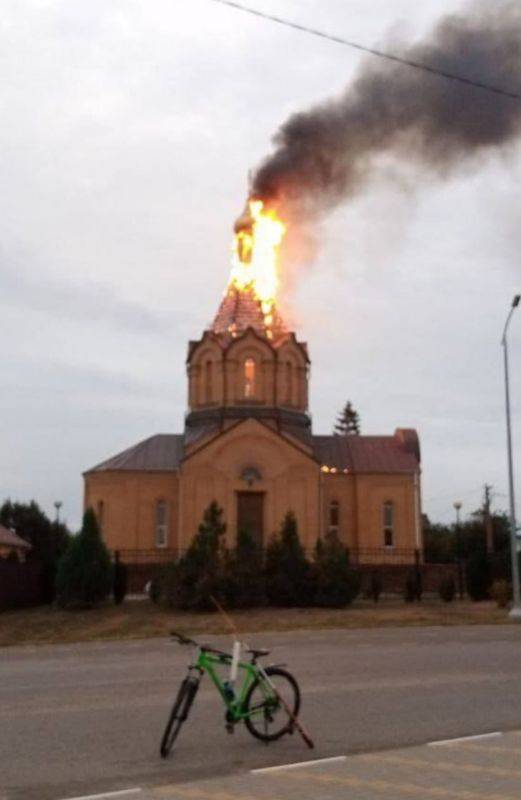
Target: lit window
x=388 y=523
x=249 y=377
x=161 y=523
x=334 y=516
x=209 y=381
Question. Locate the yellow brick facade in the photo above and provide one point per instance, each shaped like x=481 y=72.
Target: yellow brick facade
x=248 y=444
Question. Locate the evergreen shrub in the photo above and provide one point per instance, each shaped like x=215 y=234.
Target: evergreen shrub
x=336 y=584
x=84 y=574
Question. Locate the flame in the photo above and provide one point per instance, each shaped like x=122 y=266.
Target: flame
x=255 y=256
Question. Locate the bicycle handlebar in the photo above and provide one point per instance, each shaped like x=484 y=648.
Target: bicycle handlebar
x=182 y=639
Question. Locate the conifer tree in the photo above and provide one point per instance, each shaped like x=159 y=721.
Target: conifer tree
x=200 y=572
x=336 y=584
x=287 y=569
x=348 y=421
x=84 y=576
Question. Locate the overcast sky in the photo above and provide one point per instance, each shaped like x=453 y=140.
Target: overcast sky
x=128 y=130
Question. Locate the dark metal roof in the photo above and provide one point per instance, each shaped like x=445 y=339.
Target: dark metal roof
x=159 y=453
x=163 y=452
x=11 y=539
x=368 y=453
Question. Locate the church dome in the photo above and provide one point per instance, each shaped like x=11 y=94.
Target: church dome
x=240 y=309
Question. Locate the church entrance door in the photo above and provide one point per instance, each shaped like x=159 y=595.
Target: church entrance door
x=250 y=515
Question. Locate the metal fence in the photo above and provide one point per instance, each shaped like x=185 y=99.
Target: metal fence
x=357 y=556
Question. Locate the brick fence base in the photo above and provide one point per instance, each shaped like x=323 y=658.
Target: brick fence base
x=392 y=576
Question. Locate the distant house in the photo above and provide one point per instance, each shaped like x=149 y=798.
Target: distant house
x=12 y=544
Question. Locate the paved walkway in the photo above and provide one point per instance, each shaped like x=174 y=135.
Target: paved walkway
x=474 y=768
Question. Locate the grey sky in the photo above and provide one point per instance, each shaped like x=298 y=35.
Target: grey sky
x=128 y=129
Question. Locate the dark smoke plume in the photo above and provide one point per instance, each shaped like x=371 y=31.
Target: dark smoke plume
x=324 y=155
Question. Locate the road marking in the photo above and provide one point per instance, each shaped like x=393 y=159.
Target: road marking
x=298 y=764
x=119 y=793
x=444 y=766
x=177 y=792
x=441 y=742
x=413 y=789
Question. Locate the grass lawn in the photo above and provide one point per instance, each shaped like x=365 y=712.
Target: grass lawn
x=138 y=619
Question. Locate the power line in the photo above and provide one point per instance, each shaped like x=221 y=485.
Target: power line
x=372 y=50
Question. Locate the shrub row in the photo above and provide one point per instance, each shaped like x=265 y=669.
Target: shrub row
x=246 y=577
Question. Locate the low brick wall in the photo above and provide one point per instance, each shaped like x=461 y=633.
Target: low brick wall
x=394 y=576
x=139 y=575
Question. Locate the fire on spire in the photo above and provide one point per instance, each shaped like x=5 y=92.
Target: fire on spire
x=255 y=257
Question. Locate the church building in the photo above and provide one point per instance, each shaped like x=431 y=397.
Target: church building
x=248 y=443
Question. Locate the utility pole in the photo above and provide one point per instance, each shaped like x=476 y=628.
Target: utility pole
x=487 y=518
x=457 y=507
x=515 y=611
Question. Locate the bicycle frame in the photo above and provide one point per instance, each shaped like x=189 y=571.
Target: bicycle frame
x=208 y=662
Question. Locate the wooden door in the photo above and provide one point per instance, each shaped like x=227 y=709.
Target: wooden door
x=250 y=514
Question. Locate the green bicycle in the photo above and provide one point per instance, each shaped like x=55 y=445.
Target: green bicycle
x=267 y=701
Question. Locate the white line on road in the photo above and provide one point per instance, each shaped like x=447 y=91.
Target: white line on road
x=120 y=793
x=441 y=742
x=298 y=764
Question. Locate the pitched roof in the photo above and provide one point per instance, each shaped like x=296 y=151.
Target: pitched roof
x=11 y=539
x=240 y=310
x=159 y=453
x=367 y=453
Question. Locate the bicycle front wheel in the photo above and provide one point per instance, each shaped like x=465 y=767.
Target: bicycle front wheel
x=185 y=698
x=267 y=706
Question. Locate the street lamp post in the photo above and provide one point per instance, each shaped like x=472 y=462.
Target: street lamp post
x=457 y=506
x=57 y=505
x=515 y=611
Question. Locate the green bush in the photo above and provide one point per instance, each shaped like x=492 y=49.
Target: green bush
x=501 y=592
x=336 y=584
x=287 y=570
x=478 y=575
x=447 y=588
x=244 y=584
x=191 y=582
x=84 y=574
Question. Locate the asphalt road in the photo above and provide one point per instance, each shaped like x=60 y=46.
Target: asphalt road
x=82 y=719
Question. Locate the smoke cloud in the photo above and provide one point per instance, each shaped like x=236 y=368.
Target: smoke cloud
x=325 y=155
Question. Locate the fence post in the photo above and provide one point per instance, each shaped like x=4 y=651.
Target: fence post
x=418 y=573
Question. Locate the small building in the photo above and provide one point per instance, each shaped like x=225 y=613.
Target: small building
x=248 y=443
x=13 y=545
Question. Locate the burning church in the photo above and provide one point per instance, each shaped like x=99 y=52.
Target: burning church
x=248 y=441
x=445 y=104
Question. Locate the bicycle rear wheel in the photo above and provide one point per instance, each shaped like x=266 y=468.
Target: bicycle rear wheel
x=267 y=718
x=180 y=710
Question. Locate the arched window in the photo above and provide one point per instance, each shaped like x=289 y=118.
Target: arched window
x=100 y=515
x=289 y=382
x=249 y=377
x=208 y=379
x=388 y=523
x=161 y=523
x=334 y=516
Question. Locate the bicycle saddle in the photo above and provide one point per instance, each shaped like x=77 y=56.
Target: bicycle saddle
x=258 y=653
